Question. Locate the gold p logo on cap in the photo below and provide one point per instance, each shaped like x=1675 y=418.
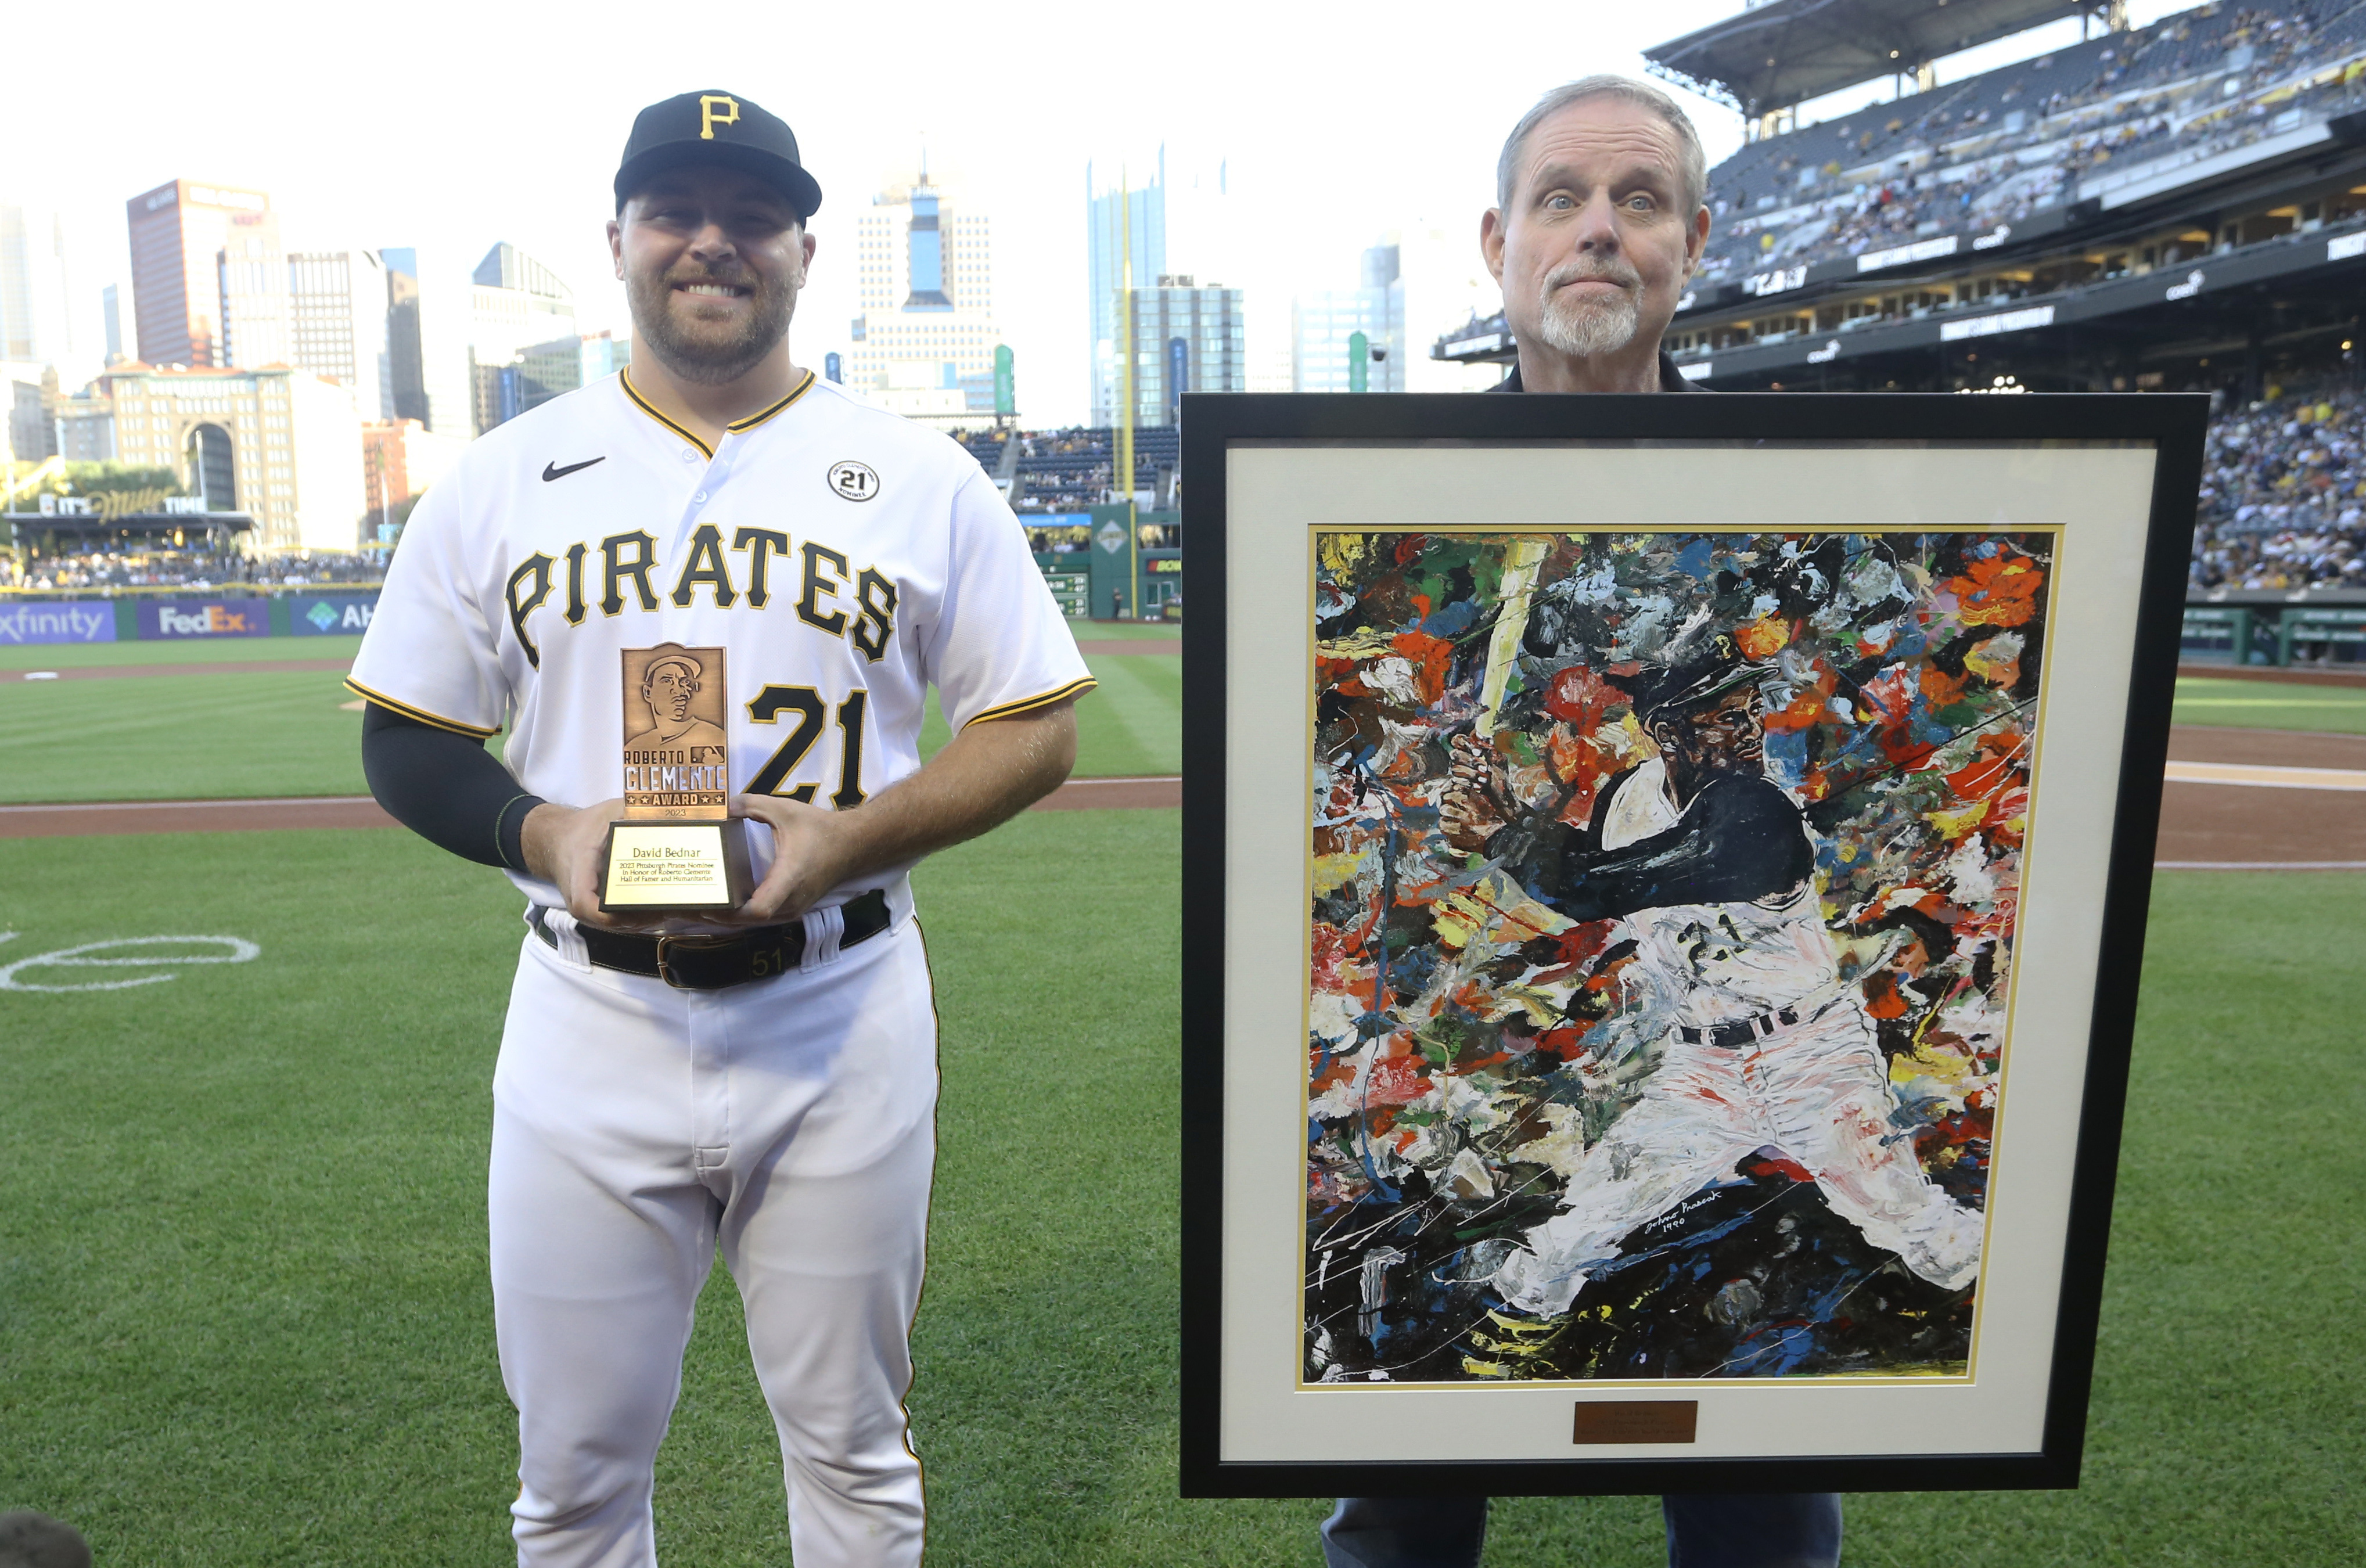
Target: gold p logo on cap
x=708 y=118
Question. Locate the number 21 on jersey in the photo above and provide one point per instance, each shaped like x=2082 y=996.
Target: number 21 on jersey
x=811 y=714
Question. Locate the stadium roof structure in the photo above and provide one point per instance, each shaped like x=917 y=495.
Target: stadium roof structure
x=1785 y=52
x=211 y=525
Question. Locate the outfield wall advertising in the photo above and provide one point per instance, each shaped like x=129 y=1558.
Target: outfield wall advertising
x=341 y=615
x=68 y=620
x=175 y=619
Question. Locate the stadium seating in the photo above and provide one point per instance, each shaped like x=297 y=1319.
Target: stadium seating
x=104 y=570
x=2283 y=494
x=2005 y=145
x=1064 y=470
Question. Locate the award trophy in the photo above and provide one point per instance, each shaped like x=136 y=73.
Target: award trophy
x=678 y=850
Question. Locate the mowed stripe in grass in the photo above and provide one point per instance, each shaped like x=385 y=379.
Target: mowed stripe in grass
x=2271 y=704
x=243 y=1316
x=179 y=738
x=199 y=737
x=1129 y=725
x=189 y=651
x=268 y=734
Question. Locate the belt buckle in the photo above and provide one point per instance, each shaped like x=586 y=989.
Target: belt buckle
x=666 y=972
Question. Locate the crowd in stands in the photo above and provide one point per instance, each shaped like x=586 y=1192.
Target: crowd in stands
x=105 y=570
x=1996 y=148
x=1060 y=539
x=1069 y=469
x=2283 y=494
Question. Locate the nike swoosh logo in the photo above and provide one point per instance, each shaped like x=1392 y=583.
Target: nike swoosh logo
x=553 y=471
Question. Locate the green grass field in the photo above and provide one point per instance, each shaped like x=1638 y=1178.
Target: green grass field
x=244 y=1316
x=1087 y=630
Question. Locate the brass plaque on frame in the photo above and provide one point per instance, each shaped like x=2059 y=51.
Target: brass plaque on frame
x=1636 y=1421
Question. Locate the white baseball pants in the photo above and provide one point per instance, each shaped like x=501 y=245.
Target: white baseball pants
x=638 y=1130
x=1815 y=1091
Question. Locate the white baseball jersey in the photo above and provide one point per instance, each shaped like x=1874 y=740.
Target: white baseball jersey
x=843 y=557
x=1726 y=961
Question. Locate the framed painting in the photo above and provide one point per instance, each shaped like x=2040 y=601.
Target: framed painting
x=1663 y=895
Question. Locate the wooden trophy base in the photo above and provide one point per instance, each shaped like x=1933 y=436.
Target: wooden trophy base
x=660 y=867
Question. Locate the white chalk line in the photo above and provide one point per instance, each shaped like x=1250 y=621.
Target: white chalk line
x=240 y=952
x=2260 y=865
x=2265 y=775
x=243 y=804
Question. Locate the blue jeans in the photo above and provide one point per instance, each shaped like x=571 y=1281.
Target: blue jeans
x=1770 y=1529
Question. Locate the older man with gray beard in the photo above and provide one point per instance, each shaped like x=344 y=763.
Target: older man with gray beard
x=1599 y=220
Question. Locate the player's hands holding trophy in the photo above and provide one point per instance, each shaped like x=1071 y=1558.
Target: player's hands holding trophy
x=677 y=850
x=675 y=843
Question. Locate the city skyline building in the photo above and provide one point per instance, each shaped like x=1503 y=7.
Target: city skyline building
x=427 y=341
x=401 y=458
x=85 y=427
x=30 y=391
x=517 y=304
x=605 y=354
x=923 y=346
x=1324 y=324
x=338 y=308
x=281 y=444
x=1205 y=327
x=545 y=370
x=1183 y=223
x=36 y=307
x=1446 y=284
x=252 y=270
x=1125 y=227
x=178 y=233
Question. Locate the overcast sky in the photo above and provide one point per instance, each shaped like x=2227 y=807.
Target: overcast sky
x=450 y=127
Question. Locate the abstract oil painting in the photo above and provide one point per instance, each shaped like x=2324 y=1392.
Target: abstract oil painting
x=1662 y=889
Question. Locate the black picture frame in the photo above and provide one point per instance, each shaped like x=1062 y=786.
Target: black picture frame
x=1216 y=428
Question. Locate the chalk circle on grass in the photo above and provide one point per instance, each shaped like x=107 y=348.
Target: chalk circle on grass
x=240 y=950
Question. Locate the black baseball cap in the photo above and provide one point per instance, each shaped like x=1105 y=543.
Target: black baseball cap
x=1693 y=677
x=715 y=127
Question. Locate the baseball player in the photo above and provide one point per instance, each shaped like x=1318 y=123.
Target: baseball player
x=1711 y=866
x=763 y=1084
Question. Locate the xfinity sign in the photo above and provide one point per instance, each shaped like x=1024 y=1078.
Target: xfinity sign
x=74 y=620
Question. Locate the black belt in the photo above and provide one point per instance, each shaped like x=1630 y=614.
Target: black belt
x=1733 y=1036
x=713 y=962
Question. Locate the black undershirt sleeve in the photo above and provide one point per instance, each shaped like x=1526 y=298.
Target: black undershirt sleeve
x=445 y=787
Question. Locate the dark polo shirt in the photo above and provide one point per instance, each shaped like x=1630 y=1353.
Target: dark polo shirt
x=1669 y=381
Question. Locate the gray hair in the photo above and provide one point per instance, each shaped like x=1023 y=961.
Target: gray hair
x=1627 y=89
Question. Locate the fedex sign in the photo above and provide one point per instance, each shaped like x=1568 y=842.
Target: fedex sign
x=212 y=618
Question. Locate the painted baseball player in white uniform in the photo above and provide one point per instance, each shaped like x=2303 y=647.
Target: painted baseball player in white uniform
x=1710 y=865
x=761 y=1083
